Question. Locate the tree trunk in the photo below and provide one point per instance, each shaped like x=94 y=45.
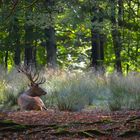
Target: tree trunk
x=6 y=60
x=50 y=38
x=17 y=50
x=34 y=56
x=17 y=55
x=28 y=56
x=28 y=51
x=116 y=36
x=51 y=47
x=97 y=51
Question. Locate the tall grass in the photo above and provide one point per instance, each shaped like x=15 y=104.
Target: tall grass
x=74 y=91
x=11 y=85
x=125 y=92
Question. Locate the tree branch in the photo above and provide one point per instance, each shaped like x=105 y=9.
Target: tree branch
x=13 y=9
x=30 y=5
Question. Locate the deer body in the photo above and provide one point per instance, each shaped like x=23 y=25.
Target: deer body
x=27 y=102
x=30 y=100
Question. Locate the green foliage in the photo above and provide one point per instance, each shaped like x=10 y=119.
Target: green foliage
x=24 y=25
x=72 y=21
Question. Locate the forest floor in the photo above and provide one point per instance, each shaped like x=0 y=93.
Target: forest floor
x=59 y=125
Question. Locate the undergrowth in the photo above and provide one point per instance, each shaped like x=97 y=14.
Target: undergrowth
x=74 y=91
x=11 y=85
x=125 y=92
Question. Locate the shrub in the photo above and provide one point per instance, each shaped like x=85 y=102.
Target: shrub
x=3 y=84
x=73 y=91
x=13 y=85
x=125 y=92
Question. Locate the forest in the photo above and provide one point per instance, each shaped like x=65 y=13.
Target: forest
x=69 y=69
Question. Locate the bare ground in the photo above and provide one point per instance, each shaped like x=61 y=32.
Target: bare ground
x=55 y=125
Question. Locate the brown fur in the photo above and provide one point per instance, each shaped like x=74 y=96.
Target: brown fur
x=27 y=102
x=30 y=100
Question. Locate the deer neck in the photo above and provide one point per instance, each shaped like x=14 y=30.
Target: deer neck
x=30 y=92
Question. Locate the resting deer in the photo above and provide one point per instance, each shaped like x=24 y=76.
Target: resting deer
x=30 y=99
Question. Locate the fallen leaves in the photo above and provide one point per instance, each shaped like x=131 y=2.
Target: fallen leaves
x=73 y=125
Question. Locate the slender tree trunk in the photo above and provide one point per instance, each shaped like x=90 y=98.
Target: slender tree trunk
x=34 y=56
x=97 y=51
x=28 y=46
x=28 y=50
x=1 y=58
x=102 y=42
x=51 y=47
x=28 y=56
x=117 y=49
x=6 y=60
x=116 y=35
x=137 y=53
x=17 y=50
x=50 y=38
x=17 y=55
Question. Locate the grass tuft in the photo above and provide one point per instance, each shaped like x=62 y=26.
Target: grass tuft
x=73 y=91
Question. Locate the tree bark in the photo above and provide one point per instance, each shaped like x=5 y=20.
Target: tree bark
x=51 y=48
x=34 y=56
x=6 y=60
x=50 y=37
x=17 y=55
x=97 y=39
x=28 y=56
x=17 y=50
x=29 y=38
x=28 y=50
x=116 y=35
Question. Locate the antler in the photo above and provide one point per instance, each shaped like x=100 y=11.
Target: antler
x=33 y=77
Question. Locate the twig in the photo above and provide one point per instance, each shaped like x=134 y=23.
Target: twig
x=35 y=1
x=13 y=9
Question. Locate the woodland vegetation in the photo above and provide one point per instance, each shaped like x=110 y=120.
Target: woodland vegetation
x=70 y=34
x=89 y=53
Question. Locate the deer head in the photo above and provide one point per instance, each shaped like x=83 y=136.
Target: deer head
x=35 y=81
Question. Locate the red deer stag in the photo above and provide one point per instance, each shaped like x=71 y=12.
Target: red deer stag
x=30 y=99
